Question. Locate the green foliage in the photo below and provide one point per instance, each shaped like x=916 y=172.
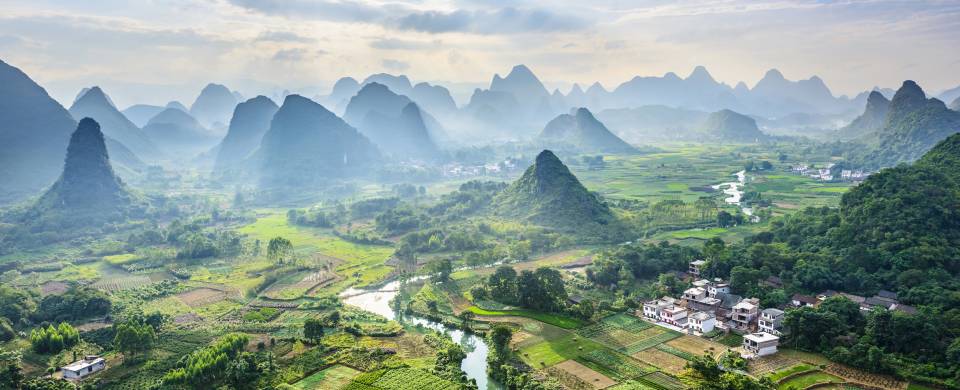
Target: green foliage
x=703 y=372
x=313 y=329
x=206 y=367
x=279 y=249
x=133 y=337
x=76 y=303
x=54 y=339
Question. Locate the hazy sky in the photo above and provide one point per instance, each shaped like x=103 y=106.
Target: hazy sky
x=157 y=50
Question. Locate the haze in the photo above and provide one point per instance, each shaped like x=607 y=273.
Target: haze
x=156 y=51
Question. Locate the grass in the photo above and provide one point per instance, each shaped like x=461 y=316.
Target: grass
x=364 y=261
x=804 y=380
x=549 y=352
x=333 y=377
x=731 y=340
x=777 y=376
x=552 y=319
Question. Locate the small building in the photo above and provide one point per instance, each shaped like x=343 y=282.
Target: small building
x=652 y=309
x=674 y=315
x=744 y=313
x=715 y=289
x=800 y=300
x=760 y=344
x=82 y=368
x=702 y=322
x=770 y=321
x=695 y=267
x=694 y=294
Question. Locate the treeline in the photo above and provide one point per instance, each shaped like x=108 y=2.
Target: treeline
x=542 y=289
x=54 y=339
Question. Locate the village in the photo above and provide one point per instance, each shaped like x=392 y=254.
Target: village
x=710 y=307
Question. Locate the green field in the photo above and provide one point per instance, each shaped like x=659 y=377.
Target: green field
x=333 y=377
x=552 y=319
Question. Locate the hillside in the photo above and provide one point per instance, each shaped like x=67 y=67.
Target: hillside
x=249 y=123
x=34 y=130
x=307 y=145
x=392 y=121
x=955 y=105
x=872 y=120
x=87 y=192
x=914 y=124
x=582 y=132
x=179 y=134
x=549 y=194
x=95 y=104
x=729 y=126
x=214 y=105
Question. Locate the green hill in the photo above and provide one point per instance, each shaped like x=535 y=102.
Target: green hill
x=872 y=120
x=581 y=132
x=914 y=124
x=88 y=192
x=729 y=126
x=549 y=194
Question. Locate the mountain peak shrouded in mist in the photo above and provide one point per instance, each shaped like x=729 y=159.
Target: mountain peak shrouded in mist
x=34 y=133
x=701 y=75
x=521 y=82
x=308 y=145
x=872 y=119
x=955 y=105
x=177 y=105
x=392 y=121
x=88 y=186
x=96 y=104
x=215 y=104
x=549 y=194
x=250 y=121
x=773 y=75
x=399 y=84
x=582 y=132
x=730 y=126
x=374 y=97
x=178 y=133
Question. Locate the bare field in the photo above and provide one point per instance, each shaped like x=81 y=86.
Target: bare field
x=201 y=296
x=665 y=361
x=595 y=379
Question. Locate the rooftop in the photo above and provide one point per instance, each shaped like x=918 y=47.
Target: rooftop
x=761 y=337
x=773 y=312
x=83 y=363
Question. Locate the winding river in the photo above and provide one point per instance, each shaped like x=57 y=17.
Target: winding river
x=378 y=301
x=734 y=190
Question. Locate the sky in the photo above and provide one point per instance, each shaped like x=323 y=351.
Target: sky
x=152 y=51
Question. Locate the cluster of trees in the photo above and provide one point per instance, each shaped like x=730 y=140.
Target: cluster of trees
x=223 y=363
x=74 y=304
x=441 y=240
x=279 y=249
x=762 y=165
x=449 y=356
x=542 y=289
x=135 y=335
x=706 y=373
x=203 y=245
x=622 y=265
x=315 y=218
x=504 y=366
x=54 y=339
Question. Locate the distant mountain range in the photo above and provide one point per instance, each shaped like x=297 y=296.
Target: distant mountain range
x=308 y=145
x=872 y=120
x=214 y=106
x=178 y=134
x=730 y=126
x=393 y=122
x=94 y=103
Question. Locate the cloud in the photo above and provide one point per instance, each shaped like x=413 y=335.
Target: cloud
x=339 y=11
x=402 y=44
x=395 y=65
x=502 y=21
x=296 y=54
x=282 y=36
x=615 y=45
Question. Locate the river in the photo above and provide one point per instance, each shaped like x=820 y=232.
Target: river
x=378 y=301
x=734 y=190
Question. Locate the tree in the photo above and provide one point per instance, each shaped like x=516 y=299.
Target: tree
x=313 y=330
x=465 y=317
x=279 y=249
x=133 y=337
x=441 y=269
x=500 y=337
x=11 y=372
x=503 y=285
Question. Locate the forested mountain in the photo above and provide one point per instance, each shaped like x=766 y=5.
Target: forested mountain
x=729 y=126
x=95 y=104
x=34 y=130
x=582 y=132
x=179 y=134
x=549 y=194
x=307 y=145
x=214 y=105
x=250 y=121
x=872 y=120
x=87 y=192
x=913 y=125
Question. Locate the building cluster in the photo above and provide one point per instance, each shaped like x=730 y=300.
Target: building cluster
x=463 y=170
x=883 y=299
x=826 y=174
x=710 y=306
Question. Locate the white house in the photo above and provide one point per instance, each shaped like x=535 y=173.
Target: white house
x=714 y=289
x=694 y=294
x=770 y=321
x=81 y=368
x=760 y=344
x=653 y=308
x=702 y=322
x=744 y=312
x=674 y=315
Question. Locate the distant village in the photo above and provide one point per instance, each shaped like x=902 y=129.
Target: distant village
x=710 y=307
x=829 y=174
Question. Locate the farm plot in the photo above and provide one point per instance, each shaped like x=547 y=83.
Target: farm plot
x=614 y=365
x=665 y=361
x=405 y=379
x=627 y=333
x=297 y=285
x=334 y=377
x=697 y=345
x=577 y=376
x=661 y=381
x=804 y=380
x=651 y=337
x=859 y=376
x=767 y=364
x=201 y=296
x=411 y=346
x=121 y=283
